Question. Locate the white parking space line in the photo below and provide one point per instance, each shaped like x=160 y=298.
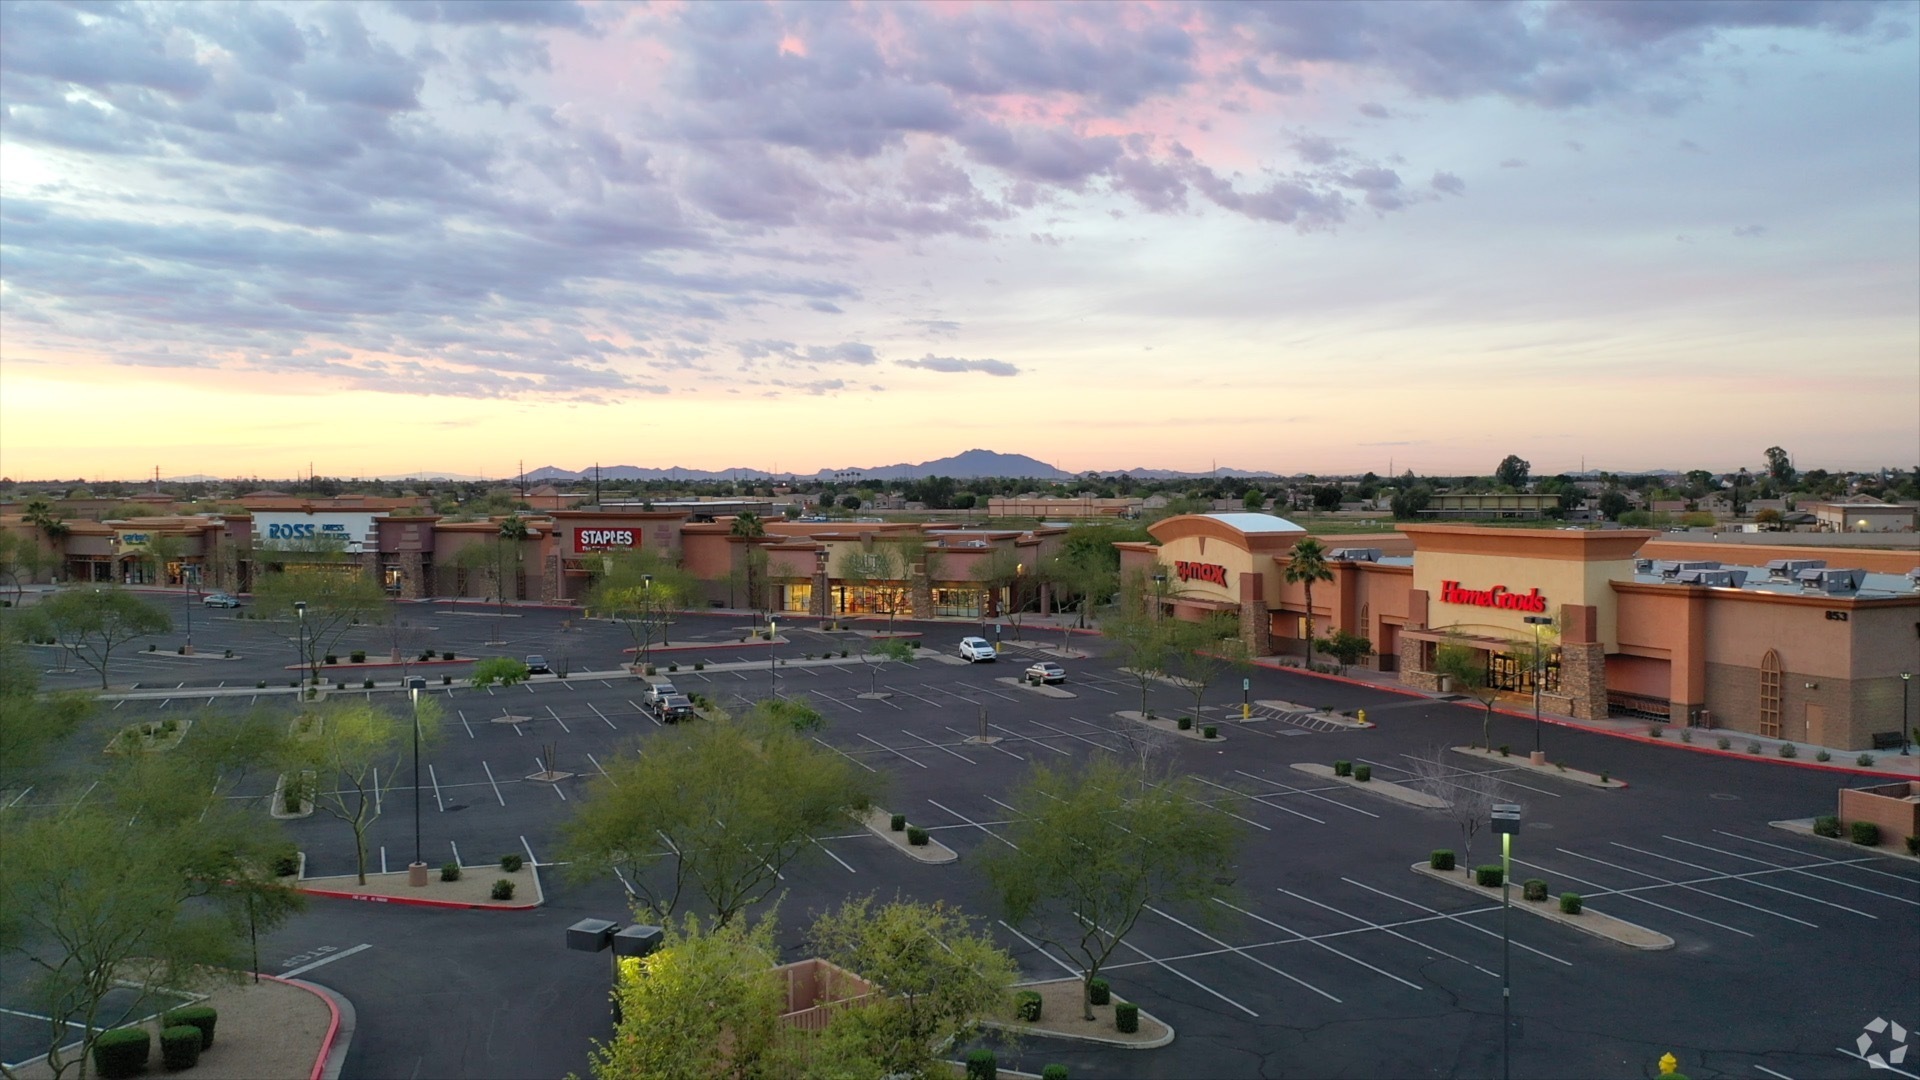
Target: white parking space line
x=462 y=714
x=1176 y=971
x=990 y=746
x=1874 y=1067
x=1291 y=790
x=1750 y=881
x=495 y=783
x=1261 y=801
x=937 y=746
x=831 y=855
x=602 y=716
x=1690 y=887
x=1037 y=947
x=917 y=697
x=1321 y=944
x=1042 y=744
x=1071 y=735
x=1244 y=954
x=603 y=770
x=541 y=766
x=557 y=720
x=1229 y=813
x=645 y=713
x=1499 y=774
x=969 y=821
x=844 y=754
x=1796 y=869
x=436 y=789
x=1855 y=864
x=843 y=704
x=1770 y=1072
x=341 y=955
x=1595 y=889
x=1409 y=940
x=1458 y=918
x=888 y=749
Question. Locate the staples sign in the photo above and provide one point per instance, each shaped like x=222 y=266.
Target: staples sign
x=1497 y=597
x=1212 y=573
x=604 y=539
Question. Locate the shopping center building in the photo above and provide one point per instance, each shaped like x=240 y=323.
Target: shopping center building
x=1790 y=643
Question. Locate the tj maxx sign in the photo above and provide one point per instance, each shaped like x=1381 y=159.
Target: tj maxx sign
x=1212 y=573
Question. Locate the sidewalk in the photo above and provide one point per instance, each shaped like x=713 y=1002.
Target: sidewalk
x=1887 y=763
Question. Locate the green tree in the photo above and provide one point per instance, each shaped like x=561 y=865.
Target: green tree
x=356 y=752
x=1780 y=466
x=937 y=974
x=337 y=597
x=642 y=590
x=1408 y=502
x=879 y=569
x=1306 y=566
x=706 y=1003
x=1143 y=645
x=1613 y=504
x=1466 y=666
x=1201 y=652
x=92 y=621
x=878 y=652
x=503 y=670
x=733 y=801
x=1003 y=576
x=1091 y=847
x=1347 y=649
x=1512 y=472
x=21 y=561
x=1253 y=500
x=46 y=522
x=1767 y=518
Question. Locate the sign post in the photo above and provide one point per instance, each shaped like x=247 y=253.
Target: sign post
x=1246 y=702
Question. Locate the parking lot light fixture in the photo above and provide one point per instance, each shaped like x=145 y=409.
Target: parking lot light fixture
x=300 y=609
x=1506 y=822
x=646 y=614
x=1906 y=727
x=1539 y=666
x=773 y=663
x=417 y=871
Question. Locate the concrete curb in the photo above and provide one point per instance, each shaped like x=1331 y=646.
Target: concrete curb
x=1042 y=689
x=1804 y=827
x=340 y=1028
x=540 y=894
x=1173 y=728
x=1589 y=921
x=933 y=852
x=1388 y=788
x=1576 y=776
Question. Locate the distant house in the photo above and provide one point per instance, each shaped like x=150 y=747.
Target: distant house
x=1862 y=514
x=1669 y=506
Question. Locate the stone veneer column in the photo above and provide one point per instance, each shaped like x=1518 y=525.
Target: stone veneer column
x=1413 y=665
x=921 y=590
x=822 y=585
x=411 y=576
x=1256 y=619
x=1583 y=678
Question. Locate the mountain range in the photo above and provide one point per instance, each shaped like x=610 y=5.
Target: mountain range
x=969 y=465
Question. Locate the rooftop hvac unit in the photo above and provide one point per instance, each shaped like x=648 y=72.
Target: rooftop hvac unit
x=1913 y=576
x=1643 y=566
x=1789 y=569
x=1671 y=570
x=1717 y=579
x=1355 y=554
x=1831 y=581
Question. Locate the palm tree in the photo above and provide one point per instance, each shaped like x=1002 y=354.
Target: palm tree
x=1308 y=565
x=747 y=524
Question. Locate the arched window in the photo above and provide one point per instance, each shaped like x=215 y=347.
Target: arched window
x=1770 y=695
x=1366 y=621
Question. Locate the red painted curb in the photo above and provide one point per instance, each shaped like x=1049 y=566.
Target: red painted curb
x=333 y=1024
x=411 y=901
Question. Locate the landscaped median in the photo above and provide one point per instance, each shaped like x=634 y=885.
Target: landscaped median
x=1043 y=689
x=1379 y=787
x=1586 y=920
x=928 y=850
x=1062 y=1017
x=1544 y=768
x=473 y=887
x=1208 y=731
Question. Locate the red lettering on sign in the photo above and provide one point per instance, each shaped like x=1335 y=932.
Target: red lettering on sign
x=1212 y=573
x=602 y=539
x=1497 y=597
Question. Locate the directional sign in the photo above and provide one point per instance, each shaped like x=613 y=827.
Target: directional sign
x=1506 y=818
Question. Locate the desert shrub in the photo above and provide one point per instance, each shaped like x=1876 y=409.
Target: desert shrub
x=286 y=864
x=1653 y=731
x=699 y=665
x=1863 y=760
x=652 y=669
x=1343 y=768
x=1489 y=875
x=1723 y=743
x=982 y=1064
x=1603 y=777
x=1753 y=747
x=1826 y=825
x=1184 y=723
x=122 y=1052
x=1822 y=756
x=1788 y=750
x=332 y=659
x=1570 y=903
x=1026 y=1005
x=1210 y=731
x=366 y=684
x=1054 y=1071
x=1913 y=845
x=1686 y=735
x=1505 y=750
x=1099 y=991
x=511 y=863
x=446 y=655
x=917 y=836
x=1864 y=833
x=358 y=656
x=261 y=685
x=1441 y=859
x=1534 y=889
x=180 y=1046
x=450 y=871
x=1363 y=773
x=446 y=680
x=673 y=666
x=1126 y=1017
x=202 y=1017
x=898 y=822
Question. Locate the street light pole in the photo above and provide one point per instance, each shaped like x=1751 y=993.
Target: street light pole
x=417 y=872
x=773 y=668
x=646 y=612
x=300 y=608
x=186 y=575
x=1906 y=729
x=1506 y=822
x=1537 y=621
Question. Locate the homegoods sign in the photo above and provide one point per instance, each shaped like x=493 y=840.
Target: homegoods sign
x=1497 y=597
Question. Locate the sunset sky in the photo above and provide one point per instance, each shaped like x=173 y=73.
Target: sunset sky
x=454 y=235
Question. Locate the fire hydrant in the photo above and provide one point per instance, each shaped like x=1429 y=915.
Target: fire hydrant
x=1361 y=714
x=1668 y=1063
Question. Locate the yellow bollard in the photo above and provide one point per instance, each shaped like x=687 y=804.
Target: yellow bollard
x=1362 y=714
x=1668 y=1063
x=1246 y=711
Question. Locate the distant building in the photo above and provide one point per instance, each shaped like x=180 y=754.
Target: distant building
x=1863 y=515
x=1491 y=505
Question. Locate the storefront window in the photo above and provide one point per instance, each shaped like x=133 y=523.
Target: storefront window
x=1515 y=673
x=957 y=602
x=869 y=599
x=796 y=597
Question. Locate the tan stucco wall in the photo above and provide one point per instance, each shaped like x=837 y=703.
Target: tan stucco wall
x=1201 y=549
x=1560 y=581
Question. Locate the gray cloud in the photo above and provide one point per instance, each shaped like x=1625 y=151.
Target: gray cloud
x=1448 y=184
x=956 y=365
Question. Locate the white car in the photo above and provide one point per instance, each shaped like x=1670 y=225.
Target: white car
x=658 y=690
x=1046 y=671
x=975 y=649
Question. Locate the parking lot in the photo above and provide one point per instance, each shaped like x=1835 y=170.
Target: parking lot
x=1329 y=958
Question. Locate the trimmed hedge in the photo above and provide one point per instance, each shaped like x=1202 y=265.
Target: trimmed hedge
x=1487 y=875
x=450 y=871
x=1864 y=833
x=1535 y=889
x=983 y=1065
x=512 y=863
x=1210 y=731
x=1363 y=773
x=1826 y=825
x=122 y=1052
x=1026 y=1005
x=1441 y=859
x=1055 y=1071
x=180 y=1046
x=503 y=889
x=1098 y=991
x=1570 y=903
x=200 y=1016
x=1126 y=1017
x=1185 y=723
x=898 y=823
x=917 y=836
x=1343 y=768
